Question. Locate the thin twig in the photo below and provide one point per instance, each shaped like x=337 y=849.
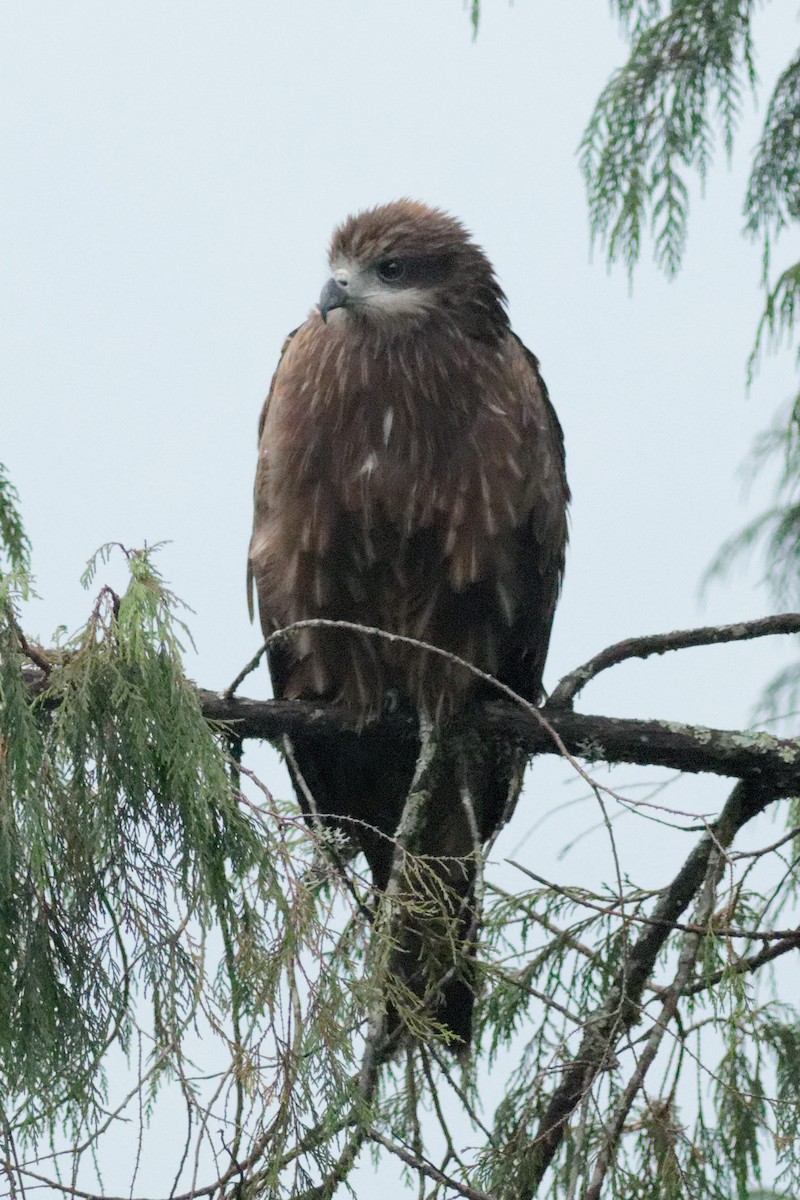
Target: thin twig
x=746 y=966
x=687 y=748
x=245 y=671
x=568 y=688
x=686 y=963
x=721 y=931
x=427 y=1168
x=413 y=815
x=621 y=1007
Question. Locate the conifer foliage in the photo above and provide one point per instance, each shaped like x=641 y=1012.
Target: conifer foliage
x=168 y=926
x=178 y=944
x=692 y=66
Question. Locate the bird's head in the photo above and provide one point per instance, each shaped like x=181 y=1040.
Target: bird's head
x=402 y=263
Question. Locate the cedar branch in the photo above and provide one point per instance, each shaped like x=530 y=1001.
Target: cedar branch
x=552 y=729
x=660 y=643
x=621 y=1009
x=694 y=749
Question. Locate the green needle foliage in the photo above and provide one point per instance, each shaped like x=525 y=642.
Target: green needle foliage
x=166 y=921
x=657 y=118
x=654 y=128
x=163 y=926
x=773 y=195
x=122 y=843
x=655 y=124
x=15 y=548
x=150 y=908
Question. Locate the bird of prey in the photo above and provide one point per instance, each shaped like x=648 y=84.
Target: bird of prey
x=410 y=478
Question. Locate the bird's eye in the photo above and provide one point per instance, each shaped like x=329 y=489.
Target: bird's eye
x=391 y=270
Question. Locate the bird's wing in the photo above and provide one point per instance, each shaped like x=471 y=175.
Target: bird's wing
x=260 y=491
x=527 y=469
x=541 y=538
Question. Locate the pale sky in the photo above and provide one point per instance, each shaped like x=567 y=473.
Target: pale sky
x=172 y=173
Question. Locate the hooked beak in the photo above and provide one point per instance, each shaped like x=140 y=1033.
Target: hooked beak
x=333 y=296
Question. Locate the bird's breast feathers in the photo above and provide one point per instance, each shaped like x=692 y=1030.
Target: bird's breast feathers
x=394 y=477
x=416 y=432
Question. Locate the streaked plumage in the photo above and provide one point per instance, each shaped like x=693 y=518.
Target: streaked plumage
x=410 y=477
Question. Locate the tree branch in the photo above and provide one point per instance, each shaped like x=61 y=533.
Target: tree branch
x=660 y=643
x=745 y=966
x=621 y=1008
x=418 y=1163
x=549 y=730
x=766 y=767
x=694 y=749
x=672 y=995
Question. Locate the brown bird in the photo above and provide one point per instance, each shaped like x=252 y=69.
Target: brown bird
x=411 y=478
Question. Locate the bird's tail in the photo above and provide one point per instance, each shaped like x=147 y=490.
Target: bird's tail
x=364 y=786
x=432 y=976
x=433 y=969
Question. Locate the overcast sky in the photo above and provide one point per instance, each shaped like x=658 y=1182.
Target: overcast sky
x=171 y=175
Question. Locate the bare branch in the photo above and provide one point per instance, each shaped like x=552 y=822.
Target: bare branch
x=686 y=965
x=659 y=643
x=34 y=653
x=622 y=1006
x=720 y=931
x=552 y=729
x=427 y=1168
x=747 y=966
x=693 y=749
